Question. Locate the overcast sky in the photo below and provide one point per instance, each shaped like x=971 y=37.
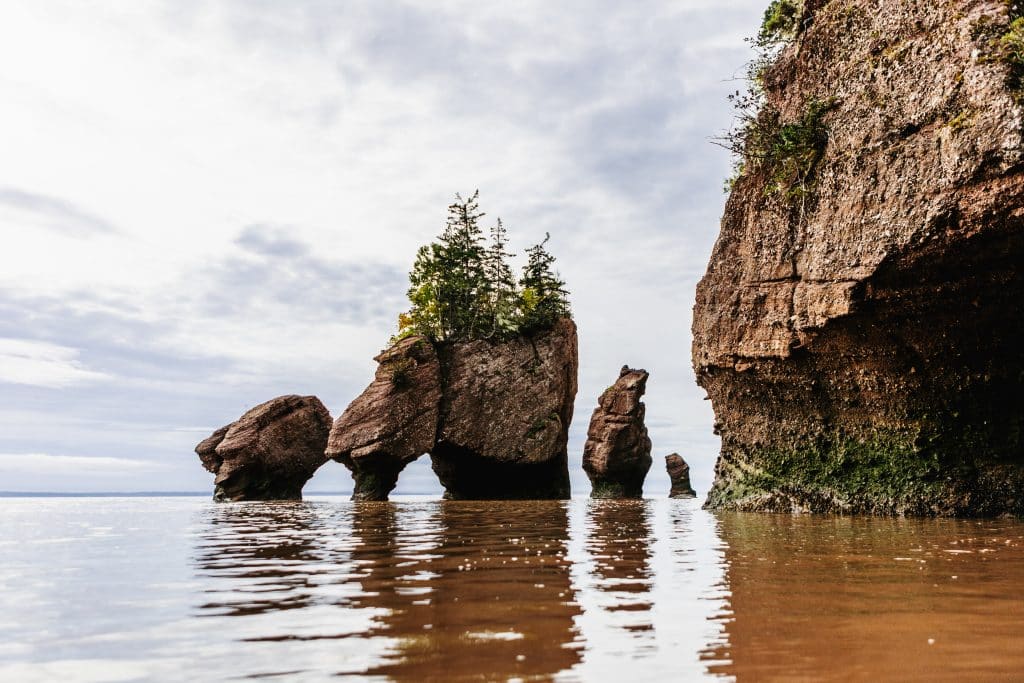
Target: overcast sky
x=204 y=205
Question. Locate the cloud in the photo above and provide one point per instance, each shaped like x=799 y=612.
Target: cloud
x=44 y=463
x=269 y=267
x=230 y=193
x=41 y=364
x=20 y=208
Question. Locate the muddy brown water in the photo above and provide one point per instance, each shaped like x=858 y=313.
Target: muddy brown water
x=125 y=589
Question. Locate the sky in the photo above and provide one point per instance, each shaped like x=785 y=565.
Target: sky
x=204 y=205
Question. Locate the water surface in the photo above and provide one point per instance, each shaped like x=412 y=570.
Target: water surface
x=124 y=589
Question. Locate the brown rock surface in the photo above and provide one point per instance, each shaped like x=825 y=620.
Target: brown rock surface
x=494 y=417
x=860 y=342
x=617 y=454
x=505 y=416
x=679 y=475
x=270 y=452
x=393 y=422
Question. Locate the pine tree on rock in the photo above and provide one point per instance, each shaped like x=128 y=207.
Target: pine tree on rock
x=462 y=288
x=543 y=297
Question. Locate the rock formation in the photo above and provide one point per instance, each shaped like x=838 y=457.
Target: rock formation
x=270 y=452
x=393 y=422
x=859 y=327
x=617 y=454
x=679 y=475
x=494 y=416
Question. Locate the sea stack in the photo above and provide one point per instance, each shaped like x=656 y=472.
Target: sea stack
x=493 y=415
x=679 y=475
x=270 y=452
x=617 y=454
x=505 y=416
x=859 y=327
x=393 y=422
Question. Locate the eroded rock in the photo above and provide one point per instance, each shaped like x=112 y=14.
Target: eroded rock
x=617 y=454
x=679 y=475
x=393 y=422
x=506 y=411
x=494 y=417
x=270 y=452
x=859 y=336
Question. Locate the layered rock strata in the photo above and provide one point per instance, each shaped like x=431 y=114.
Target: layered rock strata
x=494 y=416
x=679 y=475
x=270 y=452
x=617 y=454
x=859 y=333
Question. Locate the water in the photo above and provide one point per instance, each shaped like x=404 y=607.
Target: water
x=125 y=589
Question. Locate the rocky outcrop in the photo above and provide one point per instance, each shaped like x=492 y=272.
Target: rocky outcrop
x=679 y=475
x=617 y=454
x=505 y=416
x=858 y=331
x=393 y=422
x=270 y=452
x=493 y=415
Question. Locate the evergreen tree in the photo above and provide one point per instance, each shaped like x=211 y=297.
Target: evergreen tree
x=462 y=288
x=543 y=296
x=504 y=311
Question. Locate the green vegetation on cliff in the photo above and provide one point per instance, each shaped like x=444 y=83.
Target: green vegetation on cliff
x=784 y=152
x=781 y=22
x=462 y=287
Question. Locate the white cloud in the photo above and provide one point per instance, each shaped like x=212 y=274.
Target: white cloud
x=41 y=364
x=45 y=463
x=348 y=127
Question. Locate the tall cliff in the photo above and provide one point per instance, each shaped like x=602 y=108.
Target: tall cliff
x=859 y=328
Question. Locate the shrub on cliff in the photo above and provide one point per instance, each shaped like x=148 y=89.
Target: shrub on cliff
x=462 y=287
x=786 y=153
x=781 y=22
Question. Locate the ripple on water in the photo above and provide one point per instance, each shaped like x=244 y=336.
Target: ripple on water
x=431 y=590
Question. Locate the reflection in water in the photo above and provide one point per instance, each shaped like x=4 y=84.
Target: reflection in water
x=493 y=597
x=183 y=589
x=443 y=589
x=619 y=541
x=267 y=549
x=818 y=598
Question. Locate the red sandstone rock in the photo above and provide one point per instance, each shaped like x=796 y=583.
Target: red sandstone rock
x=270 y=452
x=617 y=454
x=679 y=475
x=494 y=416
x=860 y=340
x=505 y=416
x=393 y=422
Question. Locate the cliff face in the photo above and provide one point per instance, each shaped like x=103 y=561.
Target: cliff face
x=494 y=417
x=859 y=334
